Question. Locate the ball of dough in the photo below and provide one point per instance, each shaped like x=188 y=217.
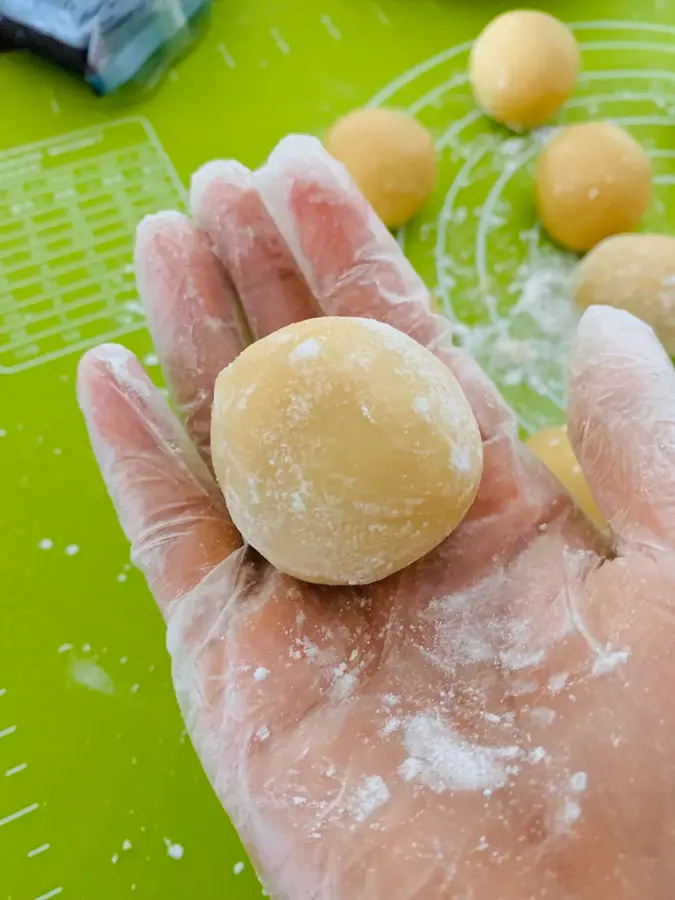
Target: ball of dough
x=592 y=180
x=552 y=446
x=523 y=67
x=635 y=272
x=390 y=156
x=345 y=449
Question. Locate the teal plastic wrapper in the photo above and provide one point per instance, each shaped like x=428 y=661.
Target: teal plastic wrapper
x=110 y=43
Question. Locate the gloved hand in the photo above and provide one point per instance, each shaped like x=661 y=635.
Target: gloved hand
x=494 y=723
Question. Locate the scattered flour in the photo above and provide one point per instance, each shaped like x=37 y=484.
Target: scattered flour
x=461 y=458
x=173 y=850
x=309 y=349
x=421 y=406
x=515 y=658
x=344 y=683
x=392 y=725
x=520 y=686
x=310 y=649
x=572 y=812
x=444 y=760
x=411 y=768
x=330 y=27
x=372 y=794
x=538 y=754
x=92 y=676
x=297 y=501
x=542 y=715
x=72 y=550
x=238 y=868
x=579 y=781
x=529 y=347
x=261 y=673
x=557 y=682
x=279 y=41
x=46 y=544
x=608 y=660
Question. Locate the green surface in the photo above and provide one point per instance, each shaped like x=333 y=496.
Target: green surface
x=90 y=736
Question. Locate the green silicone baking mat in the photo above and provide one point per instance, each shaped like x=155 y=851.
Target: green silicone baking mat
x=101 y=796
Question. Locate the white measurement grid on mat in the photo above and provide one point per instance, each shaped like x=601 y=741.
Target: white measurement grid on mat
x=68 y=211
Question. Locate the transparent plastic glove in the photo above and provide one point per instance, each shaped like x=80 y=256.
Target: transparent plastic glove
x=494 y=723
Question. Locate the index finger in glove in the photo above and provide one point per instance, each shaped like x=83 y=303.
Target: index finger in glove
x=168 y=504
x=355 y=268
x=226 y=202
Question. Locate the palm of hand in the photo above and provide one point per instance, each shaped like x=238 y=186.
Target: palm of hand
x=491 y=722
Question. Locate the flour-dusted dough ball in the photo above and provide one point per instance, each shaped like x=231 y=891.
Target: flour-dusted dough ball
x=523 y=67
x=592 y=180
x=390 y=156
x=345 y=450
x=635 y=272
x=552 y=446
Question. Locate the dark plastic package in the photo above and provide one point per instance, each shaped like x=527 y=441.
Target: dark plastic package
x=109 y=43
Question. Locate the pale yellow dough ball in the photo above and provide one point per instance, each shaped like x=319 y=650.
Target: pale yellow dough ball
x=390 y=156
x=345 y=449
x=635 y=272
x=552 y=446
x=523 y=67
x=592 y=180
